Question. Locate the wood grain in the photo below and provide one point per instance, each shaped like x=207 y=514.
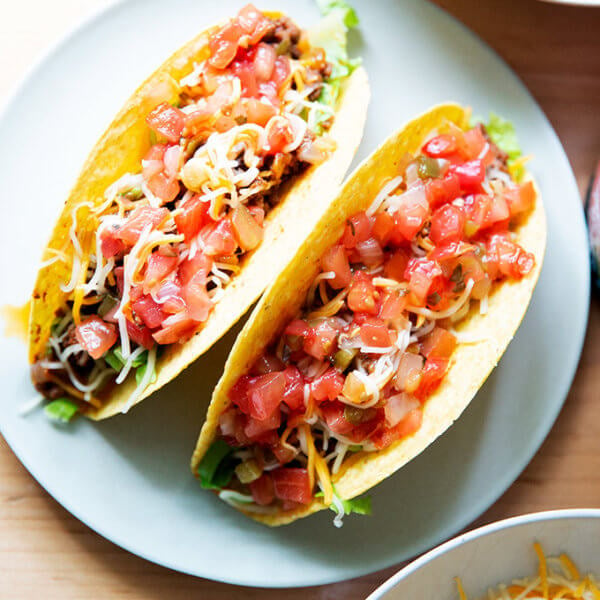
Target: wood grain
x=45 y=552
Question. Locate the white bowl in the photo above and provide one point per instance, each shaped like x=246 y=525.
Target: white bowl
x=497 y=553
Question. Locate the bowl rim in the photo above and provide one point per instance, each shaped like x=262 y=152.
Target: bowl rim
x=490 y=528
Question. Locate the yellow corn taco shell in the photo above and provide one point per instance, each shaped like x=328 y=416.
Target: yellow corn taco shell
x=471 y=363
x=121 y=149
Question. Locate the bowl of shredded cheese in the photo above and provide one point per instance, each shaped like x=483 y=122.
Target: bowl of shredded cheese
x=547 y=556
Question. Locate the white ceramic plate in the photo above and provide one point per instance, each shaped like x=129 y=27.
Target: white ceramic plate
x=498 y=553
x=128 y=478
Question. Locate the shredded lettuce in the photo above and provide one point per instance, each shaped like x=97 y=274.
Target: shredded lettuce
x=331 y=35
x=359 y=506
x=216 y=468
x=141 y=369
x=61 y=410
x=503 y=134
x=115 y=360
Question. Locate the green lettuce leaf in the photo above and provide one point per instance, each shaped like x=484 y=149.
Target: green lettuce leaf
x=341 y=8
x=503 y=134
x=61 y=410
x=359 y=506
x=216 y=468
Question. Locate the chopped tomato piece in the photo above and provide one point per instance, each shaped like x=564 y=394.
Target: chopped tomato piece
x=358 y=229
x=224 y=44
x=439 y=343
x=140 y=334
x=196 y=298
x=247 y=231
x=281 y=72
x=191 y=266
x=441 y=146
x=221 y=240
x=293 y=394
x=164 y=187
x=383 y=227
x=253 y=23
x=292 y=484
x=265 y=394
x=259 y=112
x=412 y=213
x=110 y=245
x=421 y=274
x=375 y=333
x=193 y=216
x=336 y=260
x=280 y=135
x=320 y=340
x=361 y=296
x=262 y=489
x=267 y=363
x=470 y=174
x=393 y=305
x=257 y=428
x=167 y=120
x=441 y=191
x=447 y=225
x=476 y=146
x=510 y=258
x=148 y=311
x=409 y=425
x=96 y=336
x=328 y=386
x=521 y=198
x=333 y=413
x=395 y=266
x=140 y=218
x=431 y=377
x=175 y=328
x=158 y=268
x=297 y=327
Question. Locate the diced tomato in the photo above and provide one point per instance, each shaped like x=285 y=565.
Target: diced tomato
x=336 y=260
x=140 y=218
x=283 y=454
x=292 y=484
x=110 y=245
x=259 y=112
x=521 y=198
x=320 y=340
x=281 y=71
x=333 y=413
x=191 y=266
x=393 y=305
x=262 y=490
x=470 y=174
x=297 y=327
x=96 y=336
x=396 y=264
x=193 y=216
x=361 y=296
x=439 y=343
x=158 y=268
x=167 y=120
x=148 y=311
x=358 y=229
x=499 y=211
x=221 y=240
x=441 y=146
x=510 y=258
x=375 y=333
x=475 y=144
x=328 y=386
x=257 y=428
x=140 y=334
x=293 y=394
x=267 y=363
x=175 y=328
x=248 y=233
x=477 y=209
x=224 y=44
x=196 y=298
x=441 y=191
x=164 y=187
x=432 y=375
x=412 y=213
x=265 y=394
x=253 y=23
x=264 y=61
x=409 y=425
x=421 y=274
x=279 y=136
x=447 y=225
x=238 y=393
x=156 y=153
x=383 y=227
x=244 y=70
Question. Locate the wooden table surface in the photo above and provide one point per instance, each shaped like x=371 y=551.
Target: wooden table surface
x=47 y=553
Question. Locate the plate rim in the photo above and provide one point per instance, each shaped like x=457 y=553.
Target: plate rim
x=442 y=534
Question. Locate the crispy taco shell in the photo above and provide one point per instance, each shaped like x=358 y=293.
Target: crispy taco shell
x=470 y=364
x=121 y=149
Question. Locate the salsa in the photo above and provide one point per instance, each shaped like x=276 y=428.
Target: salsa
x=375 y=337
x=152 y=257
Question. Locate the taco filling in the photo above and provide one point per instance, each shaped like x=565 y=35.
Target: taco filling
x=376 y=335
x=152 y=259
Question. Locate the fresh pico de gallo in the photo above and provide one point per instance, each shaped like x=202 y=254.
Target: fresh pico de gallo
x=167 y=239
x=353 y=371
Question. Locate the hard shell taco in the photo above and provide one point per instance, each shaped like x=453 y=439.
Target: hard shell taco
x=193 y=200
x=384 y=325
